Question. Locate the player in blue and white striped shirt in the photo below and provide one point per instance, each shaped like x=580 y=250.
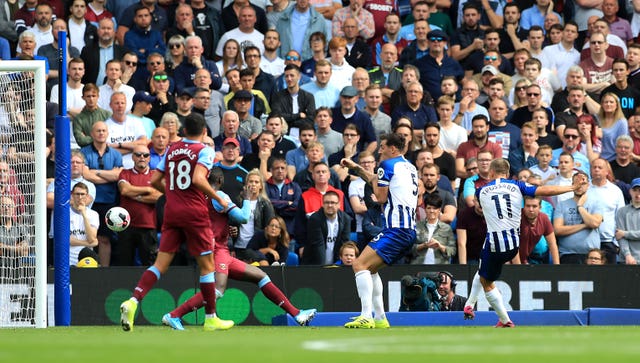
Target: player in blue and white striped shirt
x=397 y=189
x=501 y=201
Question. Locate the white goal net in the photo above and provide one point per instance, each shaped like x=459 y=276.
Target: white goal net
x=22 y=183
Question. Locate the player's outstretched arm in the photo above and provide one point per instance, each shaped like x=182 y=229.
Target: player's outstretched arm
x=365 y=175
x=551 y=190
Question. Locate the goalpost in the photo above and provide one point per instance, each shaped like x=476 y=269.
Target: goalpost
x=23 y=257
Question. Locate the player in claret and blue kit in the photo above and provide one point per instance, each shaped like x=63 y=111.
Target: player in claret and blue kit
x=184 y=168
x=228 y=266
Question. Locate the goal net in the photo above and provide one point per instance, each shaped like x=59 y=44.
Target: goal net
x=22 y=194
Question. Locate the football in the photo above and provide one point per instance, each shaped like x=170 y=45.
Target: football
x=117 y=219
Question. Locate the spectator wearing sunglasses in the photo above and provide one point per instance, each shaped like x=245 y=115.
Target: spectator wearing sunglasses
x=435 y=62
x=139 y=198
x=571 y=145
x=292 y=57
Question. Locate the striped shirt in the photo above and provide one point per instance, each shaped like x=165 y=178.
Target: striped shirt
x=501 y=202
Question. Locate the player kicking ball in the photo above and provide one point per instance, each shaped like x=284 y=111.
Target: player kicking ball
x=501 y=201
x=184 y=168
x=396 y=187
x=228 y=266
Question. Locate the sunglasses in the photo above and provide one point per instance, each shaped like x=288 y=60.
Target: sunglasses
x=522 y=88
x=160 y=77
x=436 y=39
x=175 y=46
x=292 y=58
x=571 y=136
x=155 y=63
x=144 y=155
x=491 y=58
x=531 y=94
x=130 y=63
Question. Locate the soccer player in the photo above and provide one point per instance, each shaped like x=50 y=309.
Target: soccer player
x=184 y=168
x=397 y=190
x=501 y=201
x=228 y=266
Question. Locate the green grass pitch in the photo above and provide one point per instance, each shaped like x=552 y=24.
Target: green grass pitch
x=265 y=344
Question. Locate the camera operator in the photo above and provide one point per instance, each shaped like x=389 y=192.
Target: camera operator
x=449 y=300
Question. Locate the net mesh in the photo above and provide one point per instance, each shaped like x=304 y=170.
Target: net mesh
x=17 y=191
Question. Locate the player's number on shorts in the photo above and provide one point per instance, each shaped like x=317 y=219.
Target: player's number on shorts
x=179 y=175
x=507 y=206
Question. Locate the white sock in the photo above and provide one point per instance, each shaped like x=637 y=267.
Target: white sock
x=364 y=282
x=378 y=301
x=476 y=288
x=494 y=297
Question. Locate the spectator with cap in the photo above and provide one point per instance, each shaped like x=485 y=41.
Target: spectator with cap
x=249 y=126
x=436 y=63
x=348 y=113
x=142 y=105
x=234 y=174
x=184 y=104
x=483 y=79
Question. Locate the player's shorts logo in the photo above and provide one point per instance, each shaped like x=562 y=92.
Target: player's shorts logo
x=223 y=267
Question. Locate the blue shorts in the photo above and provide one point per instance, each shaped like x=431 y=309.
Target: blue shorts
x=491 y=262
x=393 y=244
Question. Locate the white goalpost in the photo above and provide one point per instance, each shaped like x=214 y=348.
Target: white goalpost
x=23 y=256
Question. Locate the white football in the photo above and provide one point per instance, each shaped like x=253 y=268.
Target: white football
x=117 y=219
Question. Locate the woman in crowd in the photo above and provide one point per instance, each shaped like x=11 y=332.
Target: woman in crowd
x=272 y=246
x=590 y=145
x=175 y=53
x=231 y=58
x=261 y=213
x=519 y=93
x=170 y=122
x=613 y=124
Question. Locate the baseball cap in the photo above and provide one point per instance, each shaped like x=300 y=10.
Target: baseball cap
x=437 y=33
x=185 y=92
x=143 y=96
x=243 y=95
x=489 y=68
x=231 y=140
x=87 y=262
x=349 y=91
x=635 y=183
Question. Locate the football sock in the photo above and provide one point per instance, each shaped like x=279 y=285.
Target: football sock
x=149 y=277
x=193 y=304
x=208 y=289
x=273 y=293
x=378 y=301
x=364 y=283
x=476 y=289
x=494 y=297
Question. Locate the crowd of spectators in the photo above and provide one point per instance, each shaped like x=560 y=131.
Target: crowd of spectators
x=289 y=88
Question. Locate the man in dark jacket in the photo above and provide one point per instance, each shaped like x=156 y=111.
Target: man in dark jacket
x=328 y=229
x=282 y=101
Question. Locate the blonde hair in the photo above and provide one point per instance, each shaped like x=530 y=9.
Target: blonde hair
x=263 y=189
